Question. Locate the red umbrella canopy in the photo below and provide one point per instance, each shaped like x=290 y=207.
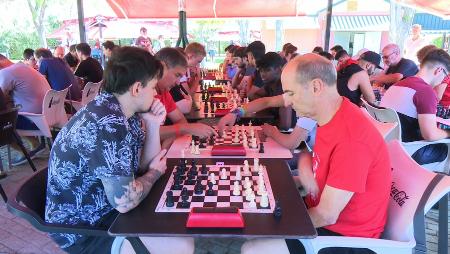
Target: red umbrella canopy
x=205 y=8
x=438 y=7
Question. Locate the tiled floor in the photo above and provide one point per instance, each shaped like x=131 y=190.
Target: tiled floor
x=18 y=236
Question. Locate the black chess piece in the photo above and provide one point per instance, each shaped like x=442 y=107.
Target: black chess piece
x=277 y=210
x=210 y=191
x=198 y=189
x=193 y=165
x=211 y=141
x=204 y=170
x=184 y=199
x=169 y=199
x=261 y=147
x=176 y=184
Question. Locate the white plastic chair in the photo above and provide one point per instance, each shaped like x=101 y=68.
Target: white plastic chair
x=53 y=114
x=89 y=92
x=388 y=115
x=409 y=182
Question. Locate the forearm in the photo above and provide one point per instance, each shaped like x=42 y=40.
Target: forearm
x=171 y=131
x=319 y=217
x=152 y=145
x=125 y=193
x=237 y=78
x=389 y=78
x=437 y=134
x=263 y=103
x=184 y=105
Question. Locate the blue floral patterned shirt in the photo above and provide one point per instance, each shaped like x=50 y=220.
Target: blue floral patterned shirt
x=98 y=141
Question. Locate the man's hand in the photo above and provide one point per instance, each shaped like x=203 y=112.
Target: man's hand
x=199 y=129
x=269 y=130
x=157 y=113
x=227 y=120
x=305 y=173
x=159 y=162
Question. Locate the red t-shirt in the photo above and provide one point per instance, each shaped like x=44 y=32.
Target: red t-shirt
x=167 y=101
x=350 y=154
x=445 y=101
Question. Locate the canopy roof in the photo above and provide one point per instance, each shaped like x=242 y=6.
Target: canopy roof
x=247 y=8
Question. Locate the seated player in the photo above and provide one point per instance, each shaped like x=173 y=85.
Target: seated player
x=28 y=58
x=270 y=66
x=348 y=178
x=89 y=69
x=71 y=57
x=288 y=52
x=226 y=67
x=416 y=104
x=175 y=65
x=396 y=67
x=255 y=51
x=303 y=131
x=335 y=49
x=353 y=76
x=183 y=92
x=244 y=70
x=102 y=163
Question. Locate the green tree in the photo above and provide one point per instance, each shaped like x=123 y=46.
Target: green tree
x=37 y=9
x=401 y=22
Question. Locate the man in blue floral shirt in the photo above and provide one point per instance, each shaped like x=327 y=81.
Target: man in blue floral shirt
x=95 y=159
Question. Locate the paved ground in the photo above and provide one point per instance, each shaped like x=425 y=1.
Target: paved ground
x=18 y=236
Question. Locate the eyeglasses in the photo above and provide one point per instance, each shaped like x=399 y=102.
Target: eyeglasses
x=386 y=57
x=444 y=71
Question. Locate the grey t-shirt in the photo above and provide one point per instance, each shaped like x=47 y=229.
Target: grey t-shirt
x=25 y=86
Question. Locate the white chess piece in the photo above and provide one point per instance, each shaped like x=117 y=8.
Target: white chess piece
x=252 y=203
x=238 y=173
x=245 y=141
x=212 y=178
x=250 y=123
x=192 y=147
x=182 y=153
x=197 y=150
x=236 y=191
x=223 y=174
x=261 y=188
x=253 y=142
x=247 y=183
x=264 y=200
x=246 y=167
x=236 y=136
x=250 y=195
x=255 y=165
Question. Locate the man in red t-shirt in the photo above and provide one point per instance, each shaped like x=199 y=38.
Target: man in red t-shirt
x=348 y=176
x=175 y=66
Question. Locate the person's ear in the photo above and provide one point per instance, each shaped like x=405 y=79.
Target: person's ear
x=317 y=86
x=135 y=88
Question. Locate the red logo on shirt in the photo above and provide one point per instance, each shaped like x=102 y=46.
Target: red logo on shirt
x=315 y=163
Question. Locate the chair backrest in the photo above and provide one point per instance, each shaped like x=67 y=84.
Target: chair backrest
x=28 y=202
x=386 y=115
x=53 y=108
x=409 y=182
x=8 y=119
x=89 y=92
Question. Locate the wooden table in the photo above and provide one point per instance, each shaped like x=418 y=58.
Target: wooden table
x=294 y=222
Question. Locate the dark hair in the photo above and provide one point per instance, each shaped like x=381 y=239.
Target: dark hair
x=172 y=57
x=337 y=48
x=240 y=52
x=109 y=45
x=437 y=56
x=73 y=48
x=129 y=65
x=229 y=47
x=43 y=52
x=326 y=55
x=317 y=49
x=285 y=46
x=422 y=53
x=340 y=54
x=84 y=48
x=28 y=53
x=270 y=60
x=257 y=49
x=290 y=49
x=143 y=29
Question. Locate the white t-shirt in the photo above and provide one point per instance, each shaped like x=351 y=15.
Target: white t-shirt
x=412 y=46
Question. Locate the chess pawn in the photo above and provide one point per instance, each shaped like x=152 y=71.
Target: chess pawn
x=246 y=168
x=252 y=203
x=236 y=137
x=250 y=196
x=223 y=174
x=192 y=147
x=236 y=191
x=264 y=202
x=255 y=165
x=261 y=188
x=238 y=173
x=247 y=183
x=250 y=123
x=212 y=178
x=245 y=141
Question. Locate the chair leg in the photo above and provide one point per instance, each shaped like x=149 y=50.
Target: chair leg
x=138 y=245
x=3 y=194
x=117 y=245
x=443 y=226
x=24 y=151
x=9 y=157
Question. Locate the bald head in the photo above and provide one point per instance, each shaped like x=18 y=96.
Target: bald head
x=311 y=66
x=59 y=52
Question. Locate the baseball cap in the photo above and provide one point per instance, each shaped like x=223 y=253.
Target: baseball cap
x=372 y=57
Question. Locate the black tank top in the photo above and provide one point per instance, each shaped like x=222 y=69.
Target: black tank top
x=343 y=76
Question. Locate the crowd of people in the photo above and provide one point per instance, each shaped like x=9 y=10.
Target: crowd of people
x=106 y=159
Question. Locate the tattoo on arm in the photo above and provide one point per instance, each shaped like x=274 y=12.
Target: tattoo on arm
x=125 y=193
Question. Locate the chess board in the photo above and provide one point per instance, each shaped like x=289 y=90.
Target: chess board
x=228 y=138
x=223 y=190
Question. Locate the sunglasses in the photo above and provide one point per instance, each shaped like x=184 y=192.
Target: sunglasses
x=387 y=56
